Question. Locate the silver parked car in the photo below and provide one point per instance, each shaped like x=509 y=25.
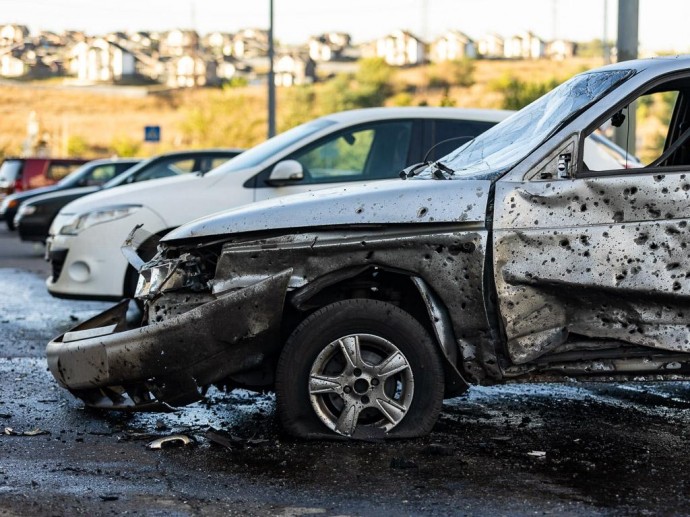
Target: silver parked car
x=508 y=260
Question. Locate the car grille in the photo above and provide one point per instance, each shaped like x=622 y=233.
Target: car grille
x=57 y=261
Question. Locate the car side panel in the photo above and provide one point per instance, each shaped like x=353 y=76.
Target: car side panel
x=599 y=258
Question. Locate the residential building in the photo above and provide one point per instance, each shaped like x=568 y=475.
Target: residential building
x=525 y=45
x=401 y=48
x=11 y=34
x=329 y=46
x=294 y=69
x=452 y=46
x=491 y=46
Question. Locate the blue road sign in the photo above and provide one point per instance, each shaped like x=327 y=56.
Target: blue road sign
x=152 y=134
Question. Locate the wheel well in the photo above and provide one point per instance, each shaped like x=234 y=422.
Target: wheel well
x=374 y=283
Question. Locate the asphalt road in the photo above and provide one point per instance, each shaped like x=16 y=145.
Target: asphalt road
x=510 y=450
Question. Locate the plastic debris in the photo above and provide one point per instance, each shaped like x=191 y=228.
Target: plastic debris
x=174 y=440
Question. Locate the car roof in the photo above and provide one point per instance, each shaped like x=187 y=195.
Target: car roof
x=105 y=161
x=195 y=152
x=655 y=65
x=369 y=114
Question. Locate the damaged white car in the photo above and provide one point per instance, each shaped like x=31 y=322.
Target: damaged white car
x=509 y=260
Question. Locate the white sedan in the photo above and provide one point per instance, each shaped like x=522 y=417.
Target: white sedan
x=360 y=145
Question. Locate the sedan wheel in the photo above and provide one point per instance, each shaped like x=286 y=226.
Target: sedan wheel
x=360 y=368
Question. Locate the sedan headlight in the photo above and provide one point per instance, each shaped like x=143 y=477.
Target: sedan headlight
x=102 y=215
x=6 y=204
x=26 y=210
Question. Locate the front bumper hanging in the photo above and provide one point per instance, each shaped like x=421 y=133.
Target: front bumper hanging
x=156 y=366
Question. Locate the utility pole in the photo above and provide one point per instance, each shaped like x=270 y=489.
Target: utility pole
x=628 y=21
x=271 y=76
x=605 y=39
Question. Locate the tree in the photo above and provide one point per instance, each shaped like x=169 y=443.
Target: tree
x=452 y=73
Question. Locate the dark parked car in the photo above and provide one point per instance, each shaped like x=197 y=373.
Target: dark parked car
x=511 y=259
x=91 y=174
x=19 y=174
x=34 y=217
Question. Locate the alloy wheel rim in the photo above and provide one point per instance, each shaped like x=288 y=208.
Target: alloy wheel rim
x=361 y=381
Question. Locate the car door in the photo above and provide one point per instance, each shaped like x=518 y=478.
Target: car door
x=371 y=151
x=598 y=259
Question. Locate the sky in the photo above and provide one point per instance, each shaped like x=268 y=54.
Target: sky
x=662 y=26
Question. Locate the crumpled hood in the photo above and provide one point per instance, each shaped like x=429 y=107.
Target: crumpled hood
x=381 y=202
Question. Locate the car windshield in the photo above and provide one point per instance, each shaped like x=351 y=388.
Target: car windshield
x=72 y=179
x=504 y=145
x=122 y=178
x=262 y=152
x=9 y=171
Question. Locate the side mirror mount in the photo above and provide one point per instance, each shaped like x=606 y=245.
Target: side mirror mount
x=286 y=173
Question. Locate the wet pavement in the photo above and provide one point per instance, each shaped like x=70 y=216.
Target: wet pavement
x=511 y=450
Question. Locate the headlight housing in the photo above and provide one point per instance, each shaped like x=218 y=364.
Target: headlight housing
x=6 y=204
x=101 y=215
x=25 y=210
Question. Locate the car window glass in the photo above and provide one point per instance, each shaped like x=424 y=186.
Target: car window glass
x=211 y=162
x=165 y=168
x=279 y=143
x=100 y=174
x=57 y=171
x=375 y=151
x=9 y=170
x=499 y=148
x=651 y=115
x=447 y=135
x=219 y=160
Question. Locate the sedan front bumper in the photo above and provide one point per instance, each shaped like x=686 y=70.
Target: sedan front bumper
x=156 y=366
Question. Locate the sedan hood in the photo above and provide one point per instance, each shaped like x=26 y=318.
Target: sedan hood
x=65 y=194
x=27 y=194
x=381 y=202
x=147 y=193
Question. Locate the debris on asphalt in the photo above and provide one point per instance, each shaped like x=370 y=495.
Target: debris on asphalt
x=537 y=454
x=34 y=432
x=174 y=440
x=135 y=436
x=224 y=439
x=109 y=497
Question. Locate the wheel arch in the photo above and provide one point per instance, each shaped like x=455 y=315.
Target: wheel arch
x=403 y=288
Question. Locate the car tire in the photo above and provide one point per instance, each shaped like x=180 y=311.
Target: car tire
x=391 y=386
x=10 y=225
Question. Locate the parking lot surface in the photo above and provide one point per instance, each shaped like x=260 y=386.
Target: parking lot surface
x=518 y=449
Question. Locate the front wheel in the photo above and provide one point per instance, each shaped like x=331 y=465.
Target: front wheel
x=359 y=368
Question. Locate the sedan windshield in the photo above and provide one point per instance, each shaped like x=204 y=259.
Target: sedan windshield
x=262 y=152
x=504 y=145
